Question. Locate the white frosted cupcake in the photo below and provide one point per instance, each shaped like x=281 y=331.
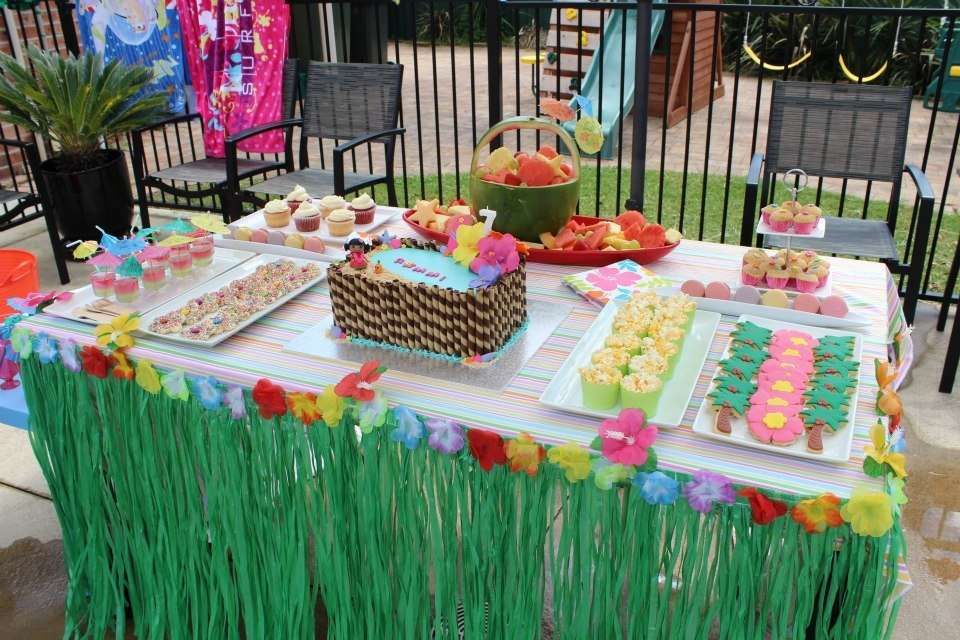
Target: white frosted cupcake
x=363 y=207
x=340 y=222
x=297 y=197
x=329 y=204
x=277 y=213
x=307 y=217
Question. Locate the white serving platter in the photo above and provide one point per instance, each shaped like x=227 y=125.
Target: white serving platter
x=564 y=393
x=836 y=447
x=818 y=231
x=852 y=321
x=224 y=259
x=255 y=220
x=330 y=254
x=222 y=280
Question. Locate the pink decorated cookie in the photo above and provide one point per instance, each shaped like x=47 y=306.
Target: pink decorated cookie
x=693 y=288
x=806 y=302
x=718 y=291
x=775 y=402
x=774 y=367
x=773 y=426
x=790 y=353
x=792 y=338
x=790 y=387
x=833 y=306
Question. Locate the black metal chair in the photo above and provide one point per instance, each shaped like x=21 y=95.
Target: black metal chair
x=358 y=103
x=208 y=174
x=844 y=131
x=952 y=360
x=25 y=200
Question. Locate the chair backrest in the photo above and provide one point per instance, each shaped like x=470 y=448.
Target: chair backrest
x=345 y=101
x=838 y=130
x=291 y=83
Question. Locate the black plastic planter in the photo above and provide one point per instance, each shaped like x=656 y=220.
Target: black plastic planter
x=82 y=200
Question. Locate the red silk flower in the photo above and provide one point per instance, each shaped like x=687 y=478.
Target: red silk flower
x=269 y=398
x=487 y=448
x=95 y=362
x=763 y=509
x=359 y=386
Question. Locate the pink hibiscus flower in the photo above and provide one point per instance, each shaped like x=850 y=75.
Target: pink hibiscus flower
x=627 y=437
x=610 y=278
x=497 y=251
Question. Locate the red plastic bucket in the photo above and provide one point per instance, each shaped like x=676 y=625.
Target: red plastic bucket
x=18 y=277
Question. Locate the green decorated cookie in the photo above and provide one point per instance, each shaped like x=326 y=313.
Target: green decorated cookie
x=734 y=384
x=834 y=347
x=748 y=353
x=835 y=366
x=819 y=396
x=721 y=397
x=828 y=417
x=751 y=334
x=836 y=383
x=739 y=368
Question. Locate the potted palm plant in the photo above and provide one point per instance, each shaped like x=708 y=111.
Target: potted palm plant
x=77 y=103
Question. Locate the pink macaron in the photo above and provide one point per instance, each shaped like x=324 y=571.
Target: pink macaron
x=259 y=235
x=693 y=288
x=833 y=306
x=718 y=291
x=806 y=302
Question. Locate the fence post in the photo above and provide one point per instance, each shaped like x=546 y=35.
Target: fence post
x=641 y=96
x=494 y=68
x=68 y=26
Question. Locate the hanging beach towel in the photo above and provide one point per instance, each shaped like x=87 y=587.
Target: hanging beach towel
x=236 y=49
x=145 y=32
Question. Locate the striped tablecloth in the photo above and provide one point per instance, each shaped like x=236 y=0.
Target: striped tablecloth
x=257 y=353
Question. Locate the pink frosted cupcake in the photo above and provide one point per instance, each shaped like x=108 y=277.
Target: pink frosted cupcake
x=752 y=274
x=778 y=278
x=363 y=208
x=780 y=220
x=767 y=211
x=805 y=223
x=807 y=282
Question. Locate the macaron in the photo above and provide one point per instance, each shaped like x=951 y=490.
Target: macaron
x=693 y=288
x=806 y=302
x=294 y=241
x=313 y=243
x=259 y=235
x=833 y=306
x=718 y=291
x=775 y=298
x=276 y=237
x=747 y=294
x=242 y=233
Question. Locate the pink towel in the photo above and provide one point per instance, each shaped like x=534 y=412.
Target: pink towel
x=236 y=50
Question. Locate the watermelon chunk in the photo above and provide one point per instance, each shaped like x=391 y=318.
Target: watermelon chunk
x=535 y=173
x=630 y=217
x=547 y=151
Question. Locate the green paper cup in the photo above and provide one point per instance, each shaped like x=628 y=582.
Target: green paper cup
x=646 y=401
x=599 y=396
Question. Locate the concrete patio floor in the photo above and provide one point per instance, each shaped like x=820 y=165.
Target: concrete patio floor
x=33 y=580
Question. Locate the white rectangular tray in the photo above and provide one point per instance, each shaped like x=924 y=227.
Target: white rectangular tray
x=256 y=220
x=563 y=392
x=818 y=231
x=224 y=259
x=836 y=447
x=240 y=271
x=852 y=321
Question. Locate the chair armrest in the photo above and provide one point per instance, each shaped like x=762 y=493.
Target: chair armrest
x=255 y=131
x=22 y=144
x=924 y=189
x=370 y=137
x=756 y=166
x=177 y=119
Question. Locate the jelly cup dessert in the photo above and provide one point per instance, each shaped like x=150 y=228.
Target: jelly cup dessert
x=181 y=263
x=363 y=208
x=154 y=276
x=102 y=283
x=202 y=251
x=277 y=213
x=296 y=198
x=127 y=289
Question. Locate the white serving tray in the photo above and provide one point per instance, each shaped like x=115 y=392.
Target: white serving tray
x=818 y=231
x=563 y=392
x=836 y=447
x=240 y=271
x=330 y=254
x=224 y=259
x=852 y=321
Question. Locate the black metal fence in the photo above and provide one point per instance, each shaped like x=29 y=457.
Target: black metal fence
x=685 y=137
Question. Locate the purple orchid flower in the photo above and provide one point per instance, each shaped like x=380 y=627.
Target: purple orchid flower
x=486 y=276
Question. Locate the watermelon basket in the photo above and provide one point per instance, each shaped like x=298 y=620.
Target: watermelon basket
x=526 y=212
x=552 y=256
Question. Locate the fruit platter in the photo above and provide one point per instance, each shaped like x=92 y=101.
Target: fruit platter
x=582 y=240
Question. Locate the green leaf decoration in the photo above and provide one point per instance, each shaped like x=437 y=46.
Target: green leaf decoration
x=873 y=468
x=651 y=463
x=596 y=444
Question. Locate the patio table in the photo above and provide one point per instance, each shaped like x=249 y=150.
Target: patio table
x=200 y=527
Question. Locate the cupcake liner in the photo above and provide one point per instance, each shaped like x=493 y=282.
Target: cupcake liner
x=294 y=205
x=646 y=401
x=750 y=280
x=307 y=224
x=806 y=286
x=804 y=228
x=364 y=216
x=340 y=229
x=277 y=220
x=779 y=225
x=777 y=282
x=599 y=396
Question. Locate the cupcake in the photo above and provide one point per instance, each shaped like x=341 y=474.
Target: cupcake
x=757 y=257
x=778 y=278
x=821 y=268
x=752 y=275
x=807 y=282
x=812 y=210
x=363 y=207
x=277 y=213
x=767 y=211
x=307 y=217
x=780 y=220
x=600 y=386
x=805 y=223
x=640 y=391
x=340 y=222
x=297 y=197
x=329 y=204
x=792 y=206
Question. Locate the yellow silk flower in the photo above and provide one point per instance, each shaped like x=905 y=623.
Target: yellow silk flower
x=467 y=238
x=870 y=513
x=122 y=370
x=147 y=377
x=880 y=451
x=304 y=407
x=884 y=372
x=116 y=334
x=524 y=454
x=573 y=459
x=330 y=406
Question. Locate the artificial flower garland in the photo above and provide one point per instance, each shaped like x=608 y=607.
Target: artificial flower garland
x=625 y=443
